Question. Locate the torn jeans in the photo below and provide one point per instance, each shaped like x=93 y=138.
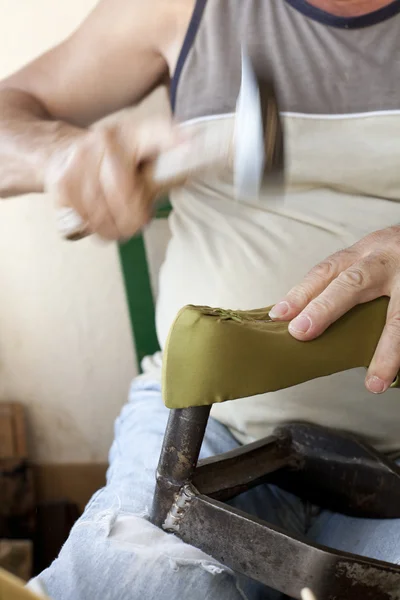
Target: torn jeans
x=115 y=553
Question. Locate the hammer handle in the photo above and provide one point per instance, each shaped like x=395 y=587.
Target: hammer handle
x=208 y=146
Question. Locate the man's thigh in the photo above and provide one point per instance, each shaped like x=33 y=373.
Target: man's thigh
x=372 y=538
x=114 y=551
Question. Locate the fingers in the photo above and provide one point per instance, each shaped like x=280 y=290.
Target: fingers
x=348 y=278
x=127 y=201
x=361 y=282
x=314 y=283
x=78 y=187
x=385 y=364
x=100 y=179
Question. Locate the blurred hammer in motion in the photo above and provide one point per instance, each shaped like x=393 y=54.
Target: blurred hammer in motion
x=250 y=142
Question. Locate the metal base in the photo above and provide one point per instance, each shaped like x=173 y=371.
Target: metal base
x=326 y=468
x=333 y=470
x=282 y=562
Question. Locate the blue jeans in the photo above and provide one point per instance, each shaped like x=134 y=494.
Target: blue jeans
x=115 y=553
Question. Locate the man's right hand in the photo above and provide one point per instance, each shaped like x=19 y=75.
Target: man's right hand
x=48 y=108
x=98 y=174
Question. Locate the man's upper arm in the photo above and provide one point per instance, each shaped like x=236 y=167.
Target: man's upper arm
x=113 y=60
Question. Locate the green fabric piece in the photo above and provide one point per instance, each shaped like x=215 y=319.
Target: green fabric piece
x=139 y=296
x=214 y=355
x=138 y=290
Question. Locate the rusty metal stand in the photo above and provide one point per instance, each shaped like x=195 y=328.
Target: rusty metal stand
x=334 y=470
x=179 y=455
x=269 y=555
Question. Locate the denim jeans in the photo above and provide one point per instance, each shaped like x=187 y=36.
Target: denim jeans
x=114 y=552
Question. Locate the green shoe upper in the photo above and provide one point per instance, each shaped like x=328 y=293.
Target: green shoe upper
x=213 y=355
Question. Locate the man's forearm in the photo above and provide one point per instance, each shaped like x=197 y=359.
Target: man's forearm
x=29 y=139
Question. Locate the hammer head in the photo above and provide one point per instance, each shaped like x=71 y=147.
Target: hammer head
x=259 y=150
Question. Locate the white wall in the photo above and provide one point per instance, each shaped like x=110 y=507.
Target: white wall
x=65 y=341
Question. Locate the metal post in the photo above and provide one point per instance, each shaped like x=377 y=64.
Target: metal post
x=179 y=455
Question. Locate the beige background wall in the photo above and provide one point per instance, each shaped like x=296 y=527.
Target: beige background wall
x=65 y=342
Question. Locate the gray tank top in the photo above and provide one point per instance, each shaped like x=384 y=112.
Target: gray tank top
x=321 y=64
x=338 y=83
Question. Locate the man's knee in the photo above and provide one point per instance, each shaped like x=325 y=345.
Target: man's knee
x=132 y=559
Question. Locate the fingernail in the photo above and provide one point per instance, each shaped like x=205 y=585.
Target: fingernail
x=279 y=310
x=375 y=385
x=301 y=324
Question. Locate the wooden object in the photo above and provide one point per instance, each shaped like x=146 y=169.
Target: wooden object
x=16 y=557
x=17 y=498
x=12 y=588
x=12 y=431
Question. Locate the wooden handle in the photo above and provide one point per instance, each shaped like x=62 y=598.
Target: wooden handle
x=72 y=227
x=157 y=187
x=208 y=146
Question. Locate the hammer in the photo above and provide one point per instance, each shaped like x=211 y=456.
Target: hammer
x=250 y=142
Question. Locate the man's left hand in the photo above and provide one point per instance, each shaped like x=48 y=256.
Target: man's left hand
x=368 y=270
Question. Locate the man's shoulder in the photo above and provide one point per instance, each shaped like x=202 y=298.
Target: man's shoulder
x=173 y=18
x=159 y=24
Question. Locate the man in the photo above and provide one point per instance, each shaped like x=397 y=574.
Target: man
x=336 y=65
